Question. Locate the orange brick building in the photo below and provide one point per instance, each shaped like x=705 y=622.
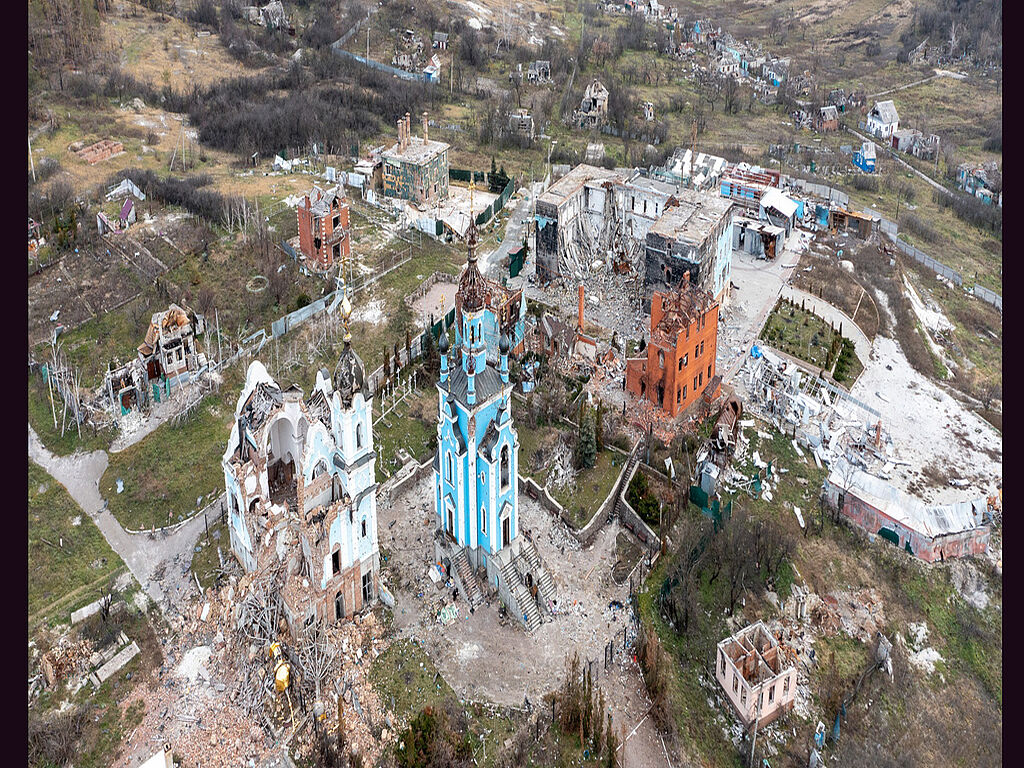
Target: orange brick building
x=323 y=227
x=680 y=361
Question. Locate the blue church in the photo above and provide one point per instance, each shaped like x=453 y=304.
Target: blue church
x=476 y=496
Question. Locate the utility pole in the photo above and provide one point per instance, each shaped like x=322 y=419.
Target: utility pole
x=367 y=42
x=31 y=161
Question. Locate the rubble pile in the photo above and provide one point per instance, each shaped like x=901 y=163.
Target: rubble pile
x=215 y=697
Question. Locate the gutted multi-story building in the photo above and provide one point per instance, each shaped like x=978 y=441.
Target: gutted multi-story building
x=591 y=210
x=416 y=169
x=324 y=230
x=692 y=237
x=299 y=476
x=758 y=680
x=679 y=364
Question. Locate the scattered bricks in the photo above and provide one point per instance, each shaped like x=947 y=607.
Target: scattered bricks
x=101 y=150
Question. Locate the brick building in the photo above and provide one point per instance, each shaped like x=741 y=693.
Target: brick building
x=679 y=365
x=416 y=169
x=324 y=230
x=758 y=679
x=928 y=532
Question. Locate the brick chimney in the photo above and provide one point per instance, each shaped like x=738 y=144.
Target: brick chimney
x=401 y=128
x=408 y=129
x=579 y=319
x=425 y=128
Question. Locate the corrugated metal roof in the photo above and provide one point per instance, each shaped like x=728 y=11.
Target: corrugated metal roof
x=932 y=521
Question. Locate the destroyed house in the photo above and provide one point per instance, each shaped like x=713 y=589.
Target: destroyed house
x=756 y=674
x=550 y=337
x=593 y=106
x=170 y=354
x=520 y=122
x=324 y=230
x=301 y=488
x=592 y=210
x=745 y=183
x=416 y=169
x=539 y=71
x=827 y=119
x=928 y=532
x=679 y=364
x=683 y=168
x=693 y=236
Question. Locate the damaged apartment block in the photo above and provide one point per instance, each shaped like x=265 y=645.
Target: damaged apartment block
x=300 y=480
x=758 y=679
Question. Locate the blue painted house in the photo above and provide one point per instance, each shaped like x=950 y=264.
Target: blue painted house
x=864 y=158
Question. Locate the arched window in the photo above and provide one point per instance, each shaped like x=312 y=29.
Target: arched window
x=319 y=469
x=448 y=468
x=359 y=435
x=364 y=528
x=505 y=467
x=661 y=359
x=339 y=606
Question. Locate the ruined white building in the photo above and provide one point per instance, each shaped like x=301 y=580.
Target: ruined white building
x=299 y=475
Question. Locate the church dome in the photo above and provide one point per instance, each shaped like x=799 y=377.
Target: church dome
x=349 y=374
x=503 y=344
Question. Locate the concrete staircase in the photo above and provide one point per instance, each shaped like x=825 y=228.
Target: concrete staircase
x=634 y=459
x=525 y=604
x=545 y=584
x=471 y=588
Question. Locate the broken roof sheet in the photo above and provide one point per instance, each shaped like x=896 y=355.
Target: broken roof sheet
x=773 y=198
x=940 y=520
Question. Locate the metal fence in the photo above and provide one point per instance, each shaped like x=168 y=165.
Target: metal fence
x=991 y=297
x=923 y=258
x=415 y=77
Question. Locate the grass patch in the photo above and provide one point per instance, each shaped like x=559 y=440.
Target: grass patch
x=802 y=334
x=405 y=674
x=411 y=426
x=167 y=470
x=77 y=571
x=592 y=488
x=40 y=417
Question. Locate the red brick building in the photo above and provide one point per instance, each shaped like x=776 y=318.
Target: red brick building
x=324 y=235
x=680 y=362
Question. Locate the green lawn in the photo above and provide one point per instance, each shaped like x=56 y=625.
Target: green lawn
x=74 y=568
x=804 y=335
x=411 y=426
x=592 y=488
x=167 y=470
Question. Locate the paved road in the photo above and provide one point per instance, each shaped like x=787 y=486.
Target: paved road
x=160 y=563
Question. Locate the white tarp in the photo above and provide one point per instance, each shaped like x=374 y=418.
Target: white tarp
x=773 y=198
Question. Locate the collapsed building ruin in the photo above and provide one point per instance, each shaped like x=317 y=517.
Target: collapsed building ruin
x=693 y=237
x=324 y=230
x=170 y=354
x=848 y=436
x=756 y=675
x=300 y=479
x=593 y=214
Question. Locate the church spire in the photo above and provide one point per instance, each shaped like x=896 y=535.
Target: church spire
x=471 y=285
